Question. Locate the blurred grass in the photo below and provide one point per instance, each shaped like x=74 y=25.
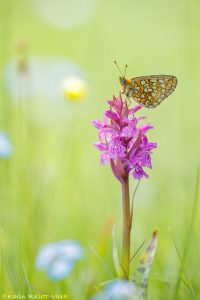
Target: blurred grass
x=53 y=188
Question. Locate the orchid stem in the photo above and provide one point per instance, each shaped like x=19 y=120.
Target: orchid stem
x=126 y=228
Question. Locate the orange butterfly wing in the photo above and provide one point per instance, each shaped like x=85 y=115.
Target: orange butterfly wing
x=150 y=91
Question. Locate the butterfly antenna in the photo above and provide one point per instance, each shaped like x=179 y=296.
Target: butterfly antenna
x=118 y=67
x=125 y=70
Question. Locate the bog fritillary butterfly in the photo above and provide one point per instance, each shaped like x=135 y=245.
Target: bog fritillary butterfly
x=148 y=91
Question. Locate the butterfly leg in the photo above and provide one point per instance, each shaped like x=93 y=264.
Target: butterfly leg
x=127 y=100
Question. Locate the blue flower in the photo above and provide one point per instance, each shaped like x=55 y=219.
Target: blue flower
x=58 y=259
x=5 y=146
x=118 y=290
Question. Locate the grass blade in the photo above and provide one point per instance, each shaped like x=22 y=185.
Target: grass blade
x=115 y=254
x=188 y=237
x=183 y=270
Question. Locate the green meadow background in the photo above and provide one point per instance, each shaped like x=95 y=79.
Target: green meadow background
x=53 y=187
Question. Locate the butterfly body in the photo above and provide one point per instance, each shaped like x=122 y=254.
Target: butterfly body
x=148 y=91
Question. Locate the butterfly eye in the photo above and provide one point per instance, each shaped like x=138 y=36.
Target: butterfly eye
x=123 y=81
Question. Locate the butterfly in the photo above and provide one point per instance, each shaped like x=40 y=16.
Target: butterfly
x=148 y=91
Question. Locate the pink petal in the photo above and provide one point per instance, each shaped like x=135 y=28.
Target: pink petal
x=97 y=124
x=112 y=115
x=100 y=146
x=134 y=109
x=144 y=128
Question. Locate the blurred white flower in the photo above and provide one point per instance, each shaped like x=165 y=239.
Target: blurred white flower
x=5 y=146
x=118 y=290
x=74 y=88
x=56 y=70
x=42 y=85
x=65 y=13
x=41 y=77
x=58 y=259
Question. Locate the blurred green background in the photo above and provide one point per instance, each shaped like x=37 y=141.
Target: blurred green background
x=52 y=187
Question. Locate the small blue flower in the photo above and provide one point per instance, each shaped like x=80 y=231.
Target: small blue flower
x=58 y=259
x=5 y=146
x=118 y=290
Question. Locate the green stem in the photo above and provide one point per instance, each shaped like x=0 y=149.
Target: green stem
x=126 y=228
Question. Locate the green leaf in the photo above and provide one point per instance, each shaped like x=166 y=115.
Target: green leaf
x=141 y=274
x=115 y=254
